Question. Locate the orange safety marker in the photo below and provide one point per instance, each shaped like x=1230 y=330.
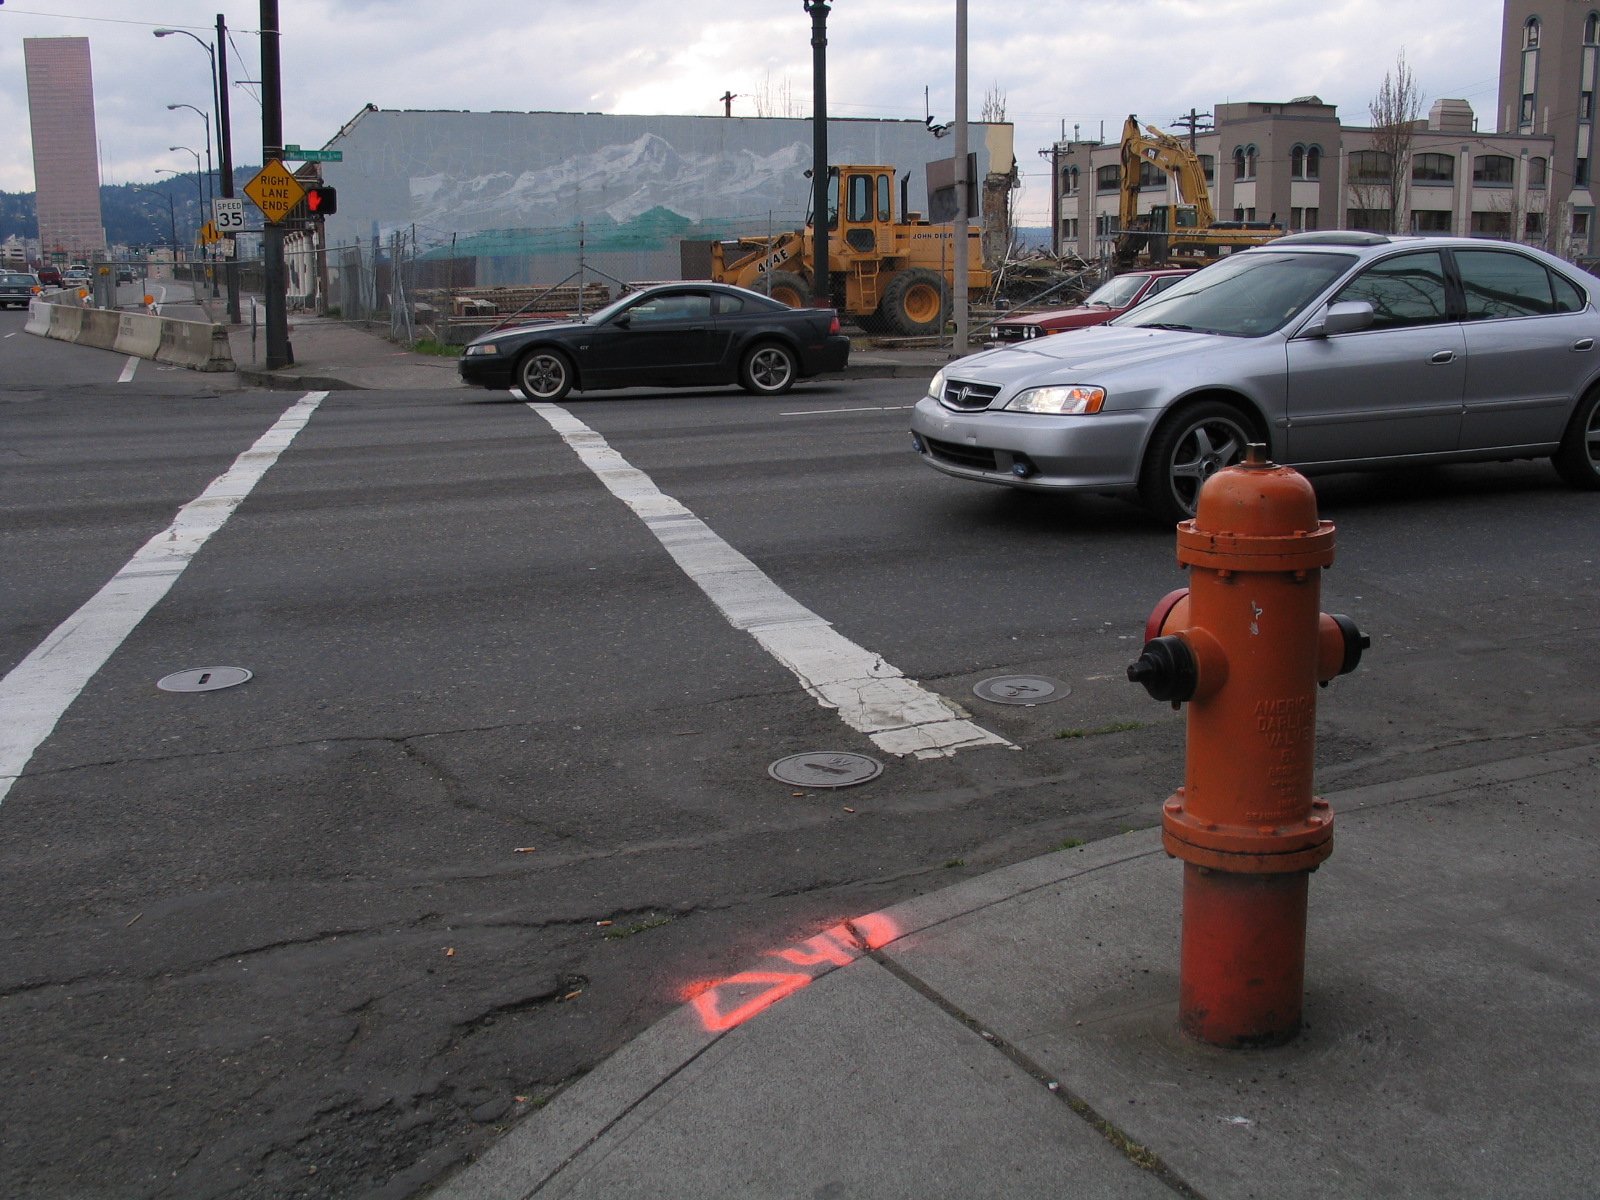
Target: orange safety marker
x=1246 y=646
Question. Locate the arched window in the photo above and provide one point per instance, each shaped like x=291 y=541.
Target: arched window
x=1591 y=29
x=1069 y=181
x=1530 y=34
x=1369 y=166
x=1538 y=172
x=1493 y=168
x=1314 y=162
x=1108 y=179
x=1297 y=162
x=1250 y=162
x=1238 y=162
x=1433 y=168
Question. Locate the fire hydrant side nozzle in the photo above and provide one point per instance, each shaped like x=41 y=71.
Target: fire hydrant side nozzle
x=1246 y=645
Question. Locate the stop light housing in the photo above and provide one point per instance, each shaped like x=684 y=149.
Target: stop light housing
x=322 y=200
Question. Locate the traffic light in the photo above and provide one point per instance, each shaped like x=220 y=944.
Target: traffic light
x=322 y=200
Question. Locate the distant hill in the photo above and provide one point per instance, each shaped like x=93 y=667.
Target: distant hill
x=133 y=214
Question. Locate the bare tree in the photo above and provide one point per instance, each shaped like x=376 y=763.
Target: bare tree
x=775 y=100
x=994 y=106
x=1394 y=112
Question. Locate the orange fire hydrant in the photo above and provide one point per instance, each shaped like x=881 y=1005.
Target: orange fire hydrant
x=1246 y=645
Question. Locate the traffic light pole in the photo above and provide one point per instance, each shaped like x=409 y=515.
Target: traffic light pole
x=279 y=353
x=230 y=265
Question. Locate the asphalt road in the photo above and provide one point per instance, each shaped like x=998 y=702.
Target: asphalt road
x=497 y=794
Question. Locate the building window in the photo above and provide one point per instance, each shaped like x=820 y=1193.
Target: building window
x=1533 y=225
x=1151 y=176
x=1302 y=218
x=1069 y=229
x=1208 y=164
x=1530 y=34
x=1491 y=224
x=1585 y=106
x=1430 y=220
x=1369 y=166
x=1108 y=179
x=1238 y=162
x=1374 y=220
x=1580 y=172
x=1297 y=162
x=1492 y=168
x=1538 y=172
x=1069 y=181
x=1526 y=116
x=1591 y=29
x=1249 y=162
x=1580 y=224
x=1314 y=162
x=1433 y=168
x=1105 y=225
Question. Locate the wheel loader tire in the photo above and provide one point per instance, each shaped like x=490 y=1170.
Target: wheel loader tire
x=788 y=288
x=914 y=304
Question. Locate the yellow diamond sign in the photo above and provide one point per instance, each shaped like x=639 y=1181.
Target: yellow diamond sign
x=275 y=191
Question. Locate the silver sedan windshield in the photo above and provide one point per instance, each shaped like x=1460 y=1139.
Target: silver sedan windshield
x=1245 y=295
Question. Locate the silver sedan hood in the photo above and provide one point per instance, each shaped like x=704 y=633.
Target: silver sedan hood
x=1098 y=349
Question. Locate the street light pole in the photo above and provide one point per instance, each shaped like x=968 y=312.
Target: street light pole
x=821 y=291
x=211 y=183
x=278 y=351
x=959 y=288
x=172 y=215
x=225 y=161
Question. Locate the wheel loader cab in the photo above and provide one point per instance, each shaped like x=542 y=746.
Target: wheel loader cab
x=868 y=211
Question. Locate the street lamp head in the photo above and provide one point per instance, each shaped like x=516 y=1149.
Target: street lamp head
x=164 y=32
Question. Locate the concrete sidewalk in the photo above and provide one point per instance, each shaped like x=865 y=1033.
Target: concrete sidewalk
x=331 y=354
x=1014 y=1035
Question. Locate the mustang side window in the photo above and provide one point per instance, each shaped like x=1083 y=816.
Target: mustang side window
x=1405 y=290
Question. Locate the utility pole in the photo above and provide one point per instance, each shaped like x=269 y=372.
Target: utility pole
x=1191 y=121
x=279 y=353
x=959 y=283
x=727 y=99
x=230 y=265
x=821 y=293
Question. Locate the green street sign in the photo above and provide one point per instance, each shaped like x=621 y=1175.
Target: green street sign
x=299 y=155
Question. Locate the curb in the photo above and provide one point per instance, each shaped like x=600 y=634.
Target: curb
x=296 y=383
x=542 y=1144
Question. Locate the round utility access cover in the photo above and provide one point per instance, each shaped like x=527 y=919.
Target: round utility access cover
x=825 y=769
x=203 y=679
x=1022 y=689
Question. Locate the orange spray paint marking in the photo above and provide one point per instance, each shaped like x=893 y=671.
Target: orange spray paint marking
x=875 y=930
x=779 y=985
x=823 y=949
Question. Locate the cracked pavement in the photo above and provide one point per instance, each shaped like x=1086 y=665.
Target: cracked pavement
x=326 y=933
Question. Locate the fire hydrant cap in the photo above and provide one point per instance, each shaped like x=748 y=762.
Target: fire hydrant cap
x=1257 y=500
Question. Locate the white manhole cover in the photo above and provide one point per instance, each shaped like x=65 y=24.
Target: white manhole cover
x=825 y=769
x=203 y=679
x=1021 y=689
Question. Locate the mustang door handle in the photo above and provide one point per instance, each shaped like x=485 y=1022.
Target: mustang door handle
x=1443 y=356
x=1583 y=344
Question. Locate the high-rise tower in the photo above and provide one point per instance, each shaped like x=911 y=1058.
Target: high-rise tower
x=66 y=167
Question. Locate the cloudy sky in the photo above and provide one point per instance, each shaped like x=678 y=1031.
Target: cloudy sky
x=1059 y=64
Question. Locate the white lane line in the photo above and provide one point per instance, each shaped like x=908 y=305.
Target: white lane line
x=128 y=368
x=13 y=333
x=39 y=688
x=814 y=412
x=897 y=713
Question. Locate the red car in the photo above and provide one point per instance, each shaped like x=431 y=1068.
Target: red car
x=49 y=276
x=1110 y=299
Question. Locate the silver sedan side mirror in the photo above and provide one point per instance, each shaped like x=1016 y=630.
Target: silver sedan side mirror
x=1347 y=316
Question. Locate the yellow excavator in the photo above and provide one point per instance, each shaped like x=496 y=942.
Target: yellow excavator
x=1176 y=234
x=891 y=276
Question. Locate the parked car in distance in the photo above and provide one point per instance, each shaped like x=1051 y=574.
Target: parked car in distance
x=17 y=288
x=1111 y=299
x=1338 y=350
x=669 y=335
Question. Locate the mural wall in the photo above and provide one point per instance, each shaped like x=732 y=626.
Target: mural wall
x=524 y=194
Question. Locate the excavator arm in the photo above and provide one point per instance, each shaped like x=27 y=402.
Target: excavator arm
x=1148 y=144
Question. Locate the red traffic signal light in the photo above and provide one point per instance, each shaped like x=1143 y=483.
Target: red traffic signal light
x=322 y=201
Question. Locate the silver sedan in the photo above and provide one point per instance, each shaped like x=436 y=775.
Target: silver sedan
x=1339 y=350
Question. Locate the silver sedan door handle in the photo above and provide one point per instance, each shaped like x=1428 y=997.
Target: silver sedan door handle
x=1583 y=344
x=1443 y=356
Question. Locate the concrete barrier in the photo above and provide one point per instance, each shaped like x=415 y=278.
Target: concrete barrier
x=38 y=317
x=198 y=345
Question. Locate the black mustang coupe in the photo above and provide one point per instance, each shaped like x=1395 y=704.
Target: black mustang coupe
x=669 y=335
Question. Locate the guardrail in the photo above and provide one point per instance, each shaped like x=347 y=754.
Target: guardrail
x=198 y=345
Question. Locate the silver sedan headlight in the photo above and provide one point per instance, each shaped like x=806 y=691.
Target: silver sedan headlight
x=1058 y=401
x=936 y=385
